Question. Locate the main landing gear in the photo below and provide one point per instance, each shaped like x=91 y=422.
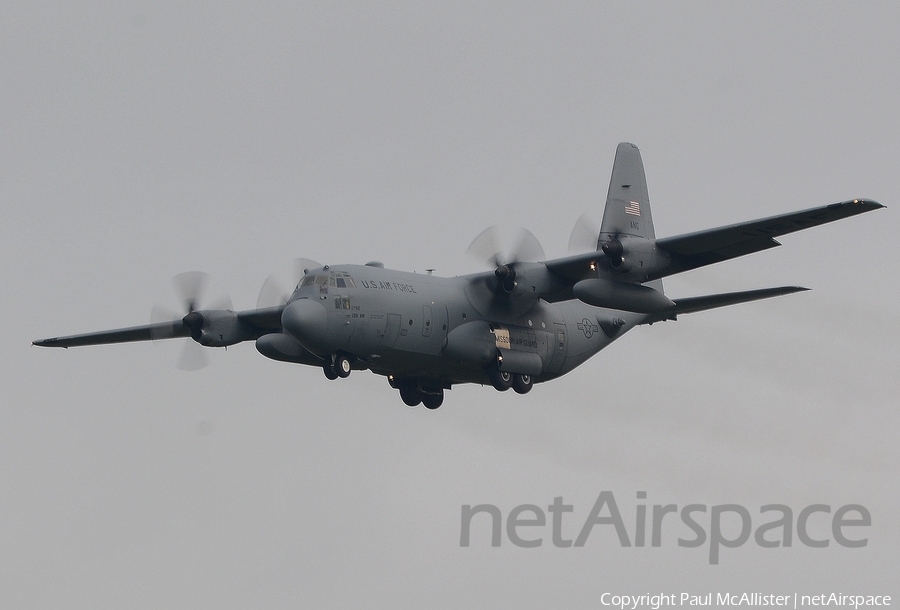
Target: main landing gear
x=412 y=394
x=504 y=380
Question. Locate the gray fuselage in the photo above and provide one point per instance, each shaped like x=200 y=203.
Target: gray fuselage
x=422 y=326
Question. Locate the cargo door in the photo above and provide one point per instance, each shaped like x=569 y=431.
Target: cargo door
x=391 y=330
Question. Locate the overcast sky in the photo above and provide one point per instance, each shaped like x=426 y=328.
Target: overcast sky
x=140 y=140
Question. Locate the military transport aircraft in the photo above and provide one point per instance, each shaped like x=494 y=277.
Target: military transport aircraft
x=521 y=323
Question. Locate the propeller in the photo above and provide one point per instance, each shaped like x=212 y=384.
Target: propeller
x=487 y=247
x=273 y=292
x=190 y=287
x=584 y=235
x=585 y=238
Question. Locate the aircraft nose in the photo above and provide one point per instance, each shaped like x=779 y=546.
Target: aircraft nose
x=306 y=320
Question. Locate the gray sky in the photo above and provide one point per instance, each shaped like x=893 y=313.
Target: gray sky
x=139 y=140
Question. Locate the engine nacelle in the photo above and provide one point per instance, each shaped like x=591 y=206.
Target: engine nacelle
x=526 y=280
x=216 y=328
x=635 y=257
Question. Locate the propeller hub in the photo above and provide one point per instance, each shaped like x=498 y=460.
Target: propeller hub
x=613 y=249
x=506 y=275
x=194 y=322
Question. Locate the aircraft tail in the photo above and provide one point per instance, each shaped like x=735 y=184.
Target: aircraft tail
x=627 y=202
x=627 y=212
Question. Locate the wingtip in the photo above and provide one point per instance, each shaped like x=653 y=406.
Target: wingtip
x=789 y=290
x=869 y=203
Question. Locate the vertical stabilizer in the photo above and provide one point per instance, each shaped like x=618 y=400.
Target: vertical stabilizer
x=627 y=203
x=627 y=212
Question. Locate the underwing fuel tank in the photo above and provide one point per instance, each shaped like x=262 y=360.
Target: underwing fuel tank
x=621 y=295
x=284 y=347
x=307 y=321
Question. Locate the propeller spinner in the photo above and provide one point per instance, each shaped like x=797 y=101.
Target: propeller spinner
x=487 y=247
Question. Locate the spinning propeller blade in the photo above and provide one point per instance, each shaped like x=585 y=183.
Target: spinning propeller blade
x=584 y=235
x=273 y=292
x=190 y=287
x=487 y=247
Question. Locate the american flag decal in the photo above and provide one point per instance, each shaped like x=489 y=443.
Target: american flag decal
x=633 y=208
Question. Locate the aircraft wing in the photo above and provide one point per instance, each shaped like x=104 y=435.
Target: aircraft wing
x=577 y=267
x=267 y=320
x=120 y=335
x=694 y=250
x=253 y=324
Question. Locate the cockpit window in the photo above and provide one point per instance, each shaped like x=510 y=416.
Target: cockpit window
x=340 y=279
x=335 y=279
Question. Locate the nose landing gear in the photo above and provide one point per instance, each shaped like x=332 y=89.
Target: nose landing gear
x=337 y=366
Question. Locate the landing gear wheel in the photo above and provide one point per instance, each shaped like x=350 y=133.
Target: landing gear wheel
x=433 y=401
x=341 y=365
x=410 y=394
x=329 y=370
x=501 y=380
x=522 y=384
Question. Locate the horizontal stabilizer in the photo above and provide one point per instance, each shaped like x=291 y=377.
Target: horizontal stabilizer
x=712 y=301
